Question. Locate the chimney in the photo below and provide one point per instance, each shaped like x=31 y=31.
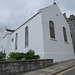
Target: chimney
x=64 y=15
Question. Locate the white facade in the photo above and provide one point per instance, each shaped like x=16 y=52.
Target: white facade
x=56 y=48
x=39 y=36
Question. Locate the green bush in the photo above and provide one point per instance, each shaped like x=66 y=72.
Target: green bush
x=30 y=54
x=9 y=59
x=1 y=58
x=36 y=57
x=16 y=56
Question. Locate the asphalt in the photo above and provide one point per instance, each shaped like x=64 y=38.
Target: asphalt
x=53 y=70
x=72 y=72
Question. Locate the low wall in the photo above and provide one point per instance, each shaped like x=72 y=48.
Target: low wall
x=10 y=67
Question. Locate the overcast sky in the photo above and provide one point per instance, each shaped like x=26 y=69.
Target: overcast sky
x=13 y=13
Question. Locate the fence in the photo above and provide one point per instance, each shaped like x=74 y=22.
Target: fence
x=10 y=67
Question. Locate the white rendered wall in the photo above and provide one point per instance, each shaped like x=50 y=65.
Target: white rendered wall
x=56 y=49
x=0 y=45
x=5 y=44
x=35 y=37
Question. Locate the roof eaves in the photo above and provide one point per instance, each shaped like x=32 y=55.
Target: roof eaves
x=10 y=30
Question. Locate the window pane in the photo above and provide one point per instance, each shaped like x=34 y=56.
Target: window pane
x=16 y=39
x=26 y=36
x=65 y=35
x=52 y=31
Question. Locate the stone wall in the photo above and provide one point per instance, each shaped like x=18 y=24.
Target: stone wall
x=71 y=22
x=10 y=67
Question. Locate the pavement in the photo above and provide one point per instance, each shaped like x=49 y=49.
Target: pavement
x=53 y=70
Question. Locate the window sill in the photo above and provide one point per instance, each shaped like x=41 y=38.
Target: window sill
x=66 y=42
x=53 y=39
x=15 y=49
x=26 y=46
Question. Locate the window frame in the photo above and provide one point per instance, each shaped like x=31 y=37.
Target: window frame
x=16 y=41
x=52 y=29
x=26 y=36
x=65 y=34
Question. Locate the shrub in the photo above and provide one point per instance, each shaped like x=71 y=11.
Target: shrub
x=9 y=59
x=1 y=58
x=37 y=57
x=30 y=54
x=16 y=56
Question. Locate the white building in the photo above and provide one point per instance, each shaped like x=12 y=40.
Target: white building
x=47 y=32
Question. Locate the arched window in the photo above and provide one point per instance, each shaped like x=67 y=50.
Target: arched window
x=52 y=31
x=26 y=36
x=64 y=33
x=16 y=40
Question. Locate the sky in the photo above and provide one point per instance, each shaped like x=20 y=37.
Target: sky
x=14 y=13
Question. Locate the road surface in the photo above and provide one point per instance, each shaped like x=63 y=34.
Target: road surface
x=70 y=71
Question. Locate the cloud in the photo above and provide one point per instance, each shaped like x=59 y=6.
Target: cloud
x=15 y=12
x=67 y=6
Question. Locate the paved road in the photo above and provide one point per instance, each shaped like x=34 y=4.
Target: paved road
x=70 y=71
